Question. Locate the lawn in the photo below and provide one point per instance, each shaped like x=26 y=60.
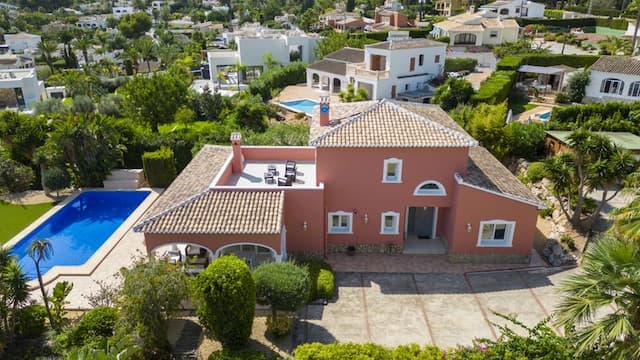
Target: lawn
x=14 y=218
x=519 y=106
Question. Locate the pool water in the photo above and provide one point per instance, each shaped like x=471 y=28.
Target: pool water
x=545 y=116
x=306 y=106
x=78 y=230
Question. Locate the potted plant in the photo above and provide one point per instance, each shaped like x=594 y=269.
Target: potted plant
x=351 y=250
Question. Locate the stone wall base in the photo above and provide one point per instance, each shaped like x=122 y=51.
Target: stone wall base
x=301 y=255
x=367 y=248
x=489 y=258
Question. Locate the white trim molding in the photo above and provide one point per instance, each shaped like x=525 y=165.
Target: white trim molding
x=504 y=227
x=461 y=181
x=440 y=191
x=348 y=229
x=398 y=173
x=395 y=223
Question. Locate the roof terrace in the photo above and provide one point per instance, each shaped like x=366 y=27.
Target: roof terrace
x=256 y=173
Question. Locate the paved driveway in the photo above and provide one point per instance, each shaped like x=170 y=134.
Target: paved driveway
x=445 y=309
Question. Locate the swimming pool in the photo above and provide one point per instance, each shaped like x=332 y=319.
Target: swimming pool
x=545 y=116
x=78 y=230
x=304 y=105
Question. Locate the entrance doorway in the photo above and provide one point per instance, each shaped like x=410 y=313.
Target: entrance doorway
x=421 y=231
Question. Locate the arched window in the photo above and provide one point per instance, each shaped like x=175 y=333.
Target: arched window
x=430 y=188
x=612 y=86
x=634 y=89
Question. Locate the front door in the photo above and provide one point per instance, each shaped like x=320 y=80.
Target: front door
x=421 y=222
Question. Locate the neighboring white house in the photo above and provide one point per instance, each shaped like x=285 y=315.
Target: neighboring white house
x=515 y=8
x=20 y=88
x=120 y=11
x=400 y=67
x=252 y=46
x=92 y=22
x=16 y=61
x=614 y=78
x=22 y=41
x=479 y=28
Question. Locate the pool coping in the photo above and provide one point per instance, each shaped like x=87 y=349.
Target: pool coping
x=294 y=110
x=102 y=252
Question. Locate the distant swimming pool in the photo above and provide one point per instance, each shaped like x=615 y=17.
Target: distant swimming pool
x=304 y=105
x=545 y=116
x=78 y=230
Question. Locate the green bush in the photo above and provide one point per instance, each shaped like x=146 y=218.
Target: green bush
x=607 y=116
x=225 y=294
x=237 y=355
x=553 y=14
x=15 y=177
x=278 y=78
x=280 y=325
x=283 y=286
x=549 y=36
x=96 y=324
x=30 y=321
x=56 y=179
x=535 y=171
x=320 y=288
x=317 y=351
x=546 y=212
x=325 y=285
x=159 y=167
x=459 y=64
x=562 y=98
x=495 y=89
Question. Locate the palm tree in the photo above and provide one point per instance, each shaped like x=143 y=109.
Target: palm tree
x=46 y=49
x=635 y=6
x=239 y=68
x=132 y=55
x=41 y=249
x=15 y=291
x=627 y=220
x=146 y=48
x=614 y=45
x=83 y=44
x=610 y=280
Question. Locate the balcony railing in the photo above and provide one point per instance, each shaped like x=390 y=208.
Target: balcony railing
x=359 y=70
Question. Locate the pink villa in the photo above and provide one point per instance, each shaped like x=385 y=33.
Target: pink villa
x=377 y=176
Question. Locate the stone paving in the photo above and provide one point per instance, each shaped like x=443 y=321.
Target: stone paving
x=445 y=309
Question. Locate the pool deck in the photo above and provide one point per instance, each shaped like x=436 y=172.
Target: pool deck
x=533 y=113
x=120 y=250
x=298 y=92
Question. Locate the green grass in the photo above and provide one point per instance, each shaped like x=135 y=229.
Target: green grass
x=519 y=106
x=14 y=218
x=196 y=126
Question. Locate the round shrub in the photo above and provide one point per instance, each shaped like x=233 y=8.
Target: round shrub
x=535 y=172
x=284 y=286
x=226 y=297
x=325 y=284
x=96 y=324
x=237 y=355
x=30 y=321
x=279 y=326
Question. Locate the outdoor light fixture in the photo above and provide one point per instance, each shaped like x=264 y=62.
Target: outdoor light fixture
x=355 y=211
x=305 y=226
x=366 y=218
x=468 y=227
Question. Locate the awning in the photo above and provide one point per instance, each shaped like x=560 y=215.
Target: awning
x=547 y=70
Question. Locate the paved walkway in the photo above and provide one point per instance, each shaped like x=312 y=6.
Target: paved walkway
x=445 y=309
x=297 y=92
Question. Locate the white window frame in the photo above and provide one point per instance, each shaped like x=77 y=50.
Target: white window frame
x=493 y=34
x=619 y=84
x=423 y=192
x=634 y=89
x=394 y=230
x=506 y=242
x=340 y=230
x=398 y=177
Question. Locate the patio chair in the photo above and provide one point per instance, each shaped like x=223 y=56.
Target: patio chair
x=290 y=165
x=284 y=181
x=290 y=174
x=272 y=169
x=268 y=178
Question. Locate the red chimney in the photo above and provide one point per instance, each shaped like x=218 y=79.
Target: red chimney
x=238 y=158
x=324 y=111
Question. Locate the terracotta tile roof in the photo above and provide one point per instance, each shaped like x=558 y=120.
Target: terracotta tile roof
x=221 y=212
x=617 y=64
x=193 y=180
x=329 y=66
x=347 y=55
x=407 y=44
x=388 y=123
x=485 y=171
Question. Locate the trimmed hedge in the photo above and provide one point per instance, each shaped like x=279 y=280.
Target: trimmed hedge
x=278 y=78
x=322 y=278
x=512 y=62
x=594 y=11
x=159 y=167
x=553 y=13
x=607 y=116
x=317 y=351
x=237 y=355
x=458 y=64
x=495 y=89
x=414 y=33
